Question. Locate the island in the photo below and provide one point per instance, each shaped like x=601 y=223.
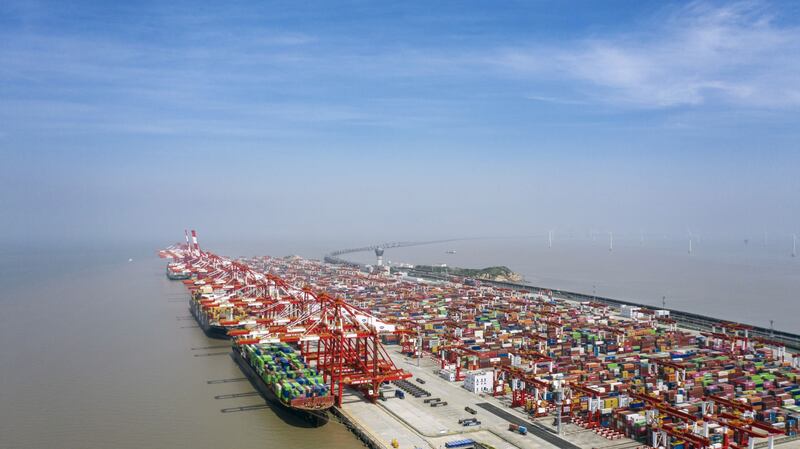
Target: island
x=499 y=274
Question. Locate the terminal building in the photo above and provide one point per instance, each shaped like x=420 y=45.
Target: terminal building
x=479 y=381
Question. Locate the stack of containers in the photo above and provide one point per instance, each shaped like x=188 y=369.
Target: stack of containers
x=579 y=340
x=281 y=367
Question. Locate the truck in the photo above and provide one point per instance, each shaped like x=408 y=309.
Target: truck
x=522 y=430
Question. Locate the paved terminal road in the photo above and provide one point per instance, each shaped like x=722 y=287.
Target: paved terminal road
x=532 y=428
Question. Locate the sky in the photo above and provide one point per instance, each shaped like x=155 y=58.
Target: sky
x=368 y=121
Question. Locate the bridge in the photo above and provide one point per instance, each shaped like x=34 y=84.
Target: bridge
x=333 y=257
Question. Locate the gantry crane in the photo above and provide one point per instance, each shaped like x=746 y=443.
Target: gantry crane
x=341 y=340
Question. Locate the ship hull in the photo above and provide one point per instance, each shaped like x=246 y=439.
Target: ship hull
x=315 y=418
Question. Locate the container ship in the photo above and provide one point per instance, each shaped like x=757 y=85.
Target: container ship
x=214 y=312
x=206 y=310
x=280 y=374
x=177 y=272
x=208 y=315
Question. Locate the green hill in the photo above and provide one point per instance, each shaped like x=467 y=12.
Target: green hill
x=501 y=273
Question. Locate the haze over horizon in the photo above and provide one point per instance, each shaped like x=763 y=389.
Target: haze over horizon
x=369 y=122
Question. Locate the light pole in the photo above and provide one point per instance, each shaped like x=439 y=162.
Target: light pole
x=664 y=302
x=419 y=344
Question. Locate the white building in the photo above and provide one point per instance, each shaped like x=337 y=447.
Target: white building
x=631 y=312
x=479 y=381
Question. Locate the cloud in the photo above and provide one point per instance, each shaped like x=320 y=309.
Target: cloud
x=266 y=80
x=556 y=100
x=736 y=54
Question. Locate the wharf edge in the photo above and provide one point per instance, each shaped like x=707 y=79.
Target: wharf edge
x=357 y=429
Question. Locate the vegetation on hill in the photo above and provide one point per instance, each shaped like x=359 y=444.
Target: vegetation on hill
x=501 y=273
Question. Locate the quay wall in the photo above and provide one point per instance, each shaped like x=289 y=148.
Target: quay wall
x=361 y=432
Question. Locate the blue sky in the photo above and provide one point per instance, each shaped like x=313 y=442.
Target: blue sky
x=408 y=119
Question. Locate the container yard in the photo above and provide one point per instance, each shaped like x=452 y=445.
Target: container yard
x=411 y=362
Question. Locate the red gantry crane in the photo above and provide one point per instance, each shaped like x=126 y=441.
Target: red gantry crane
x=339 y=339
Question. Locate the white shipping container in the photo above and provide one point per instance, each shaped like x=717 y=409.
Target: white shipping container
x=634 y=417
x=447 y=375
